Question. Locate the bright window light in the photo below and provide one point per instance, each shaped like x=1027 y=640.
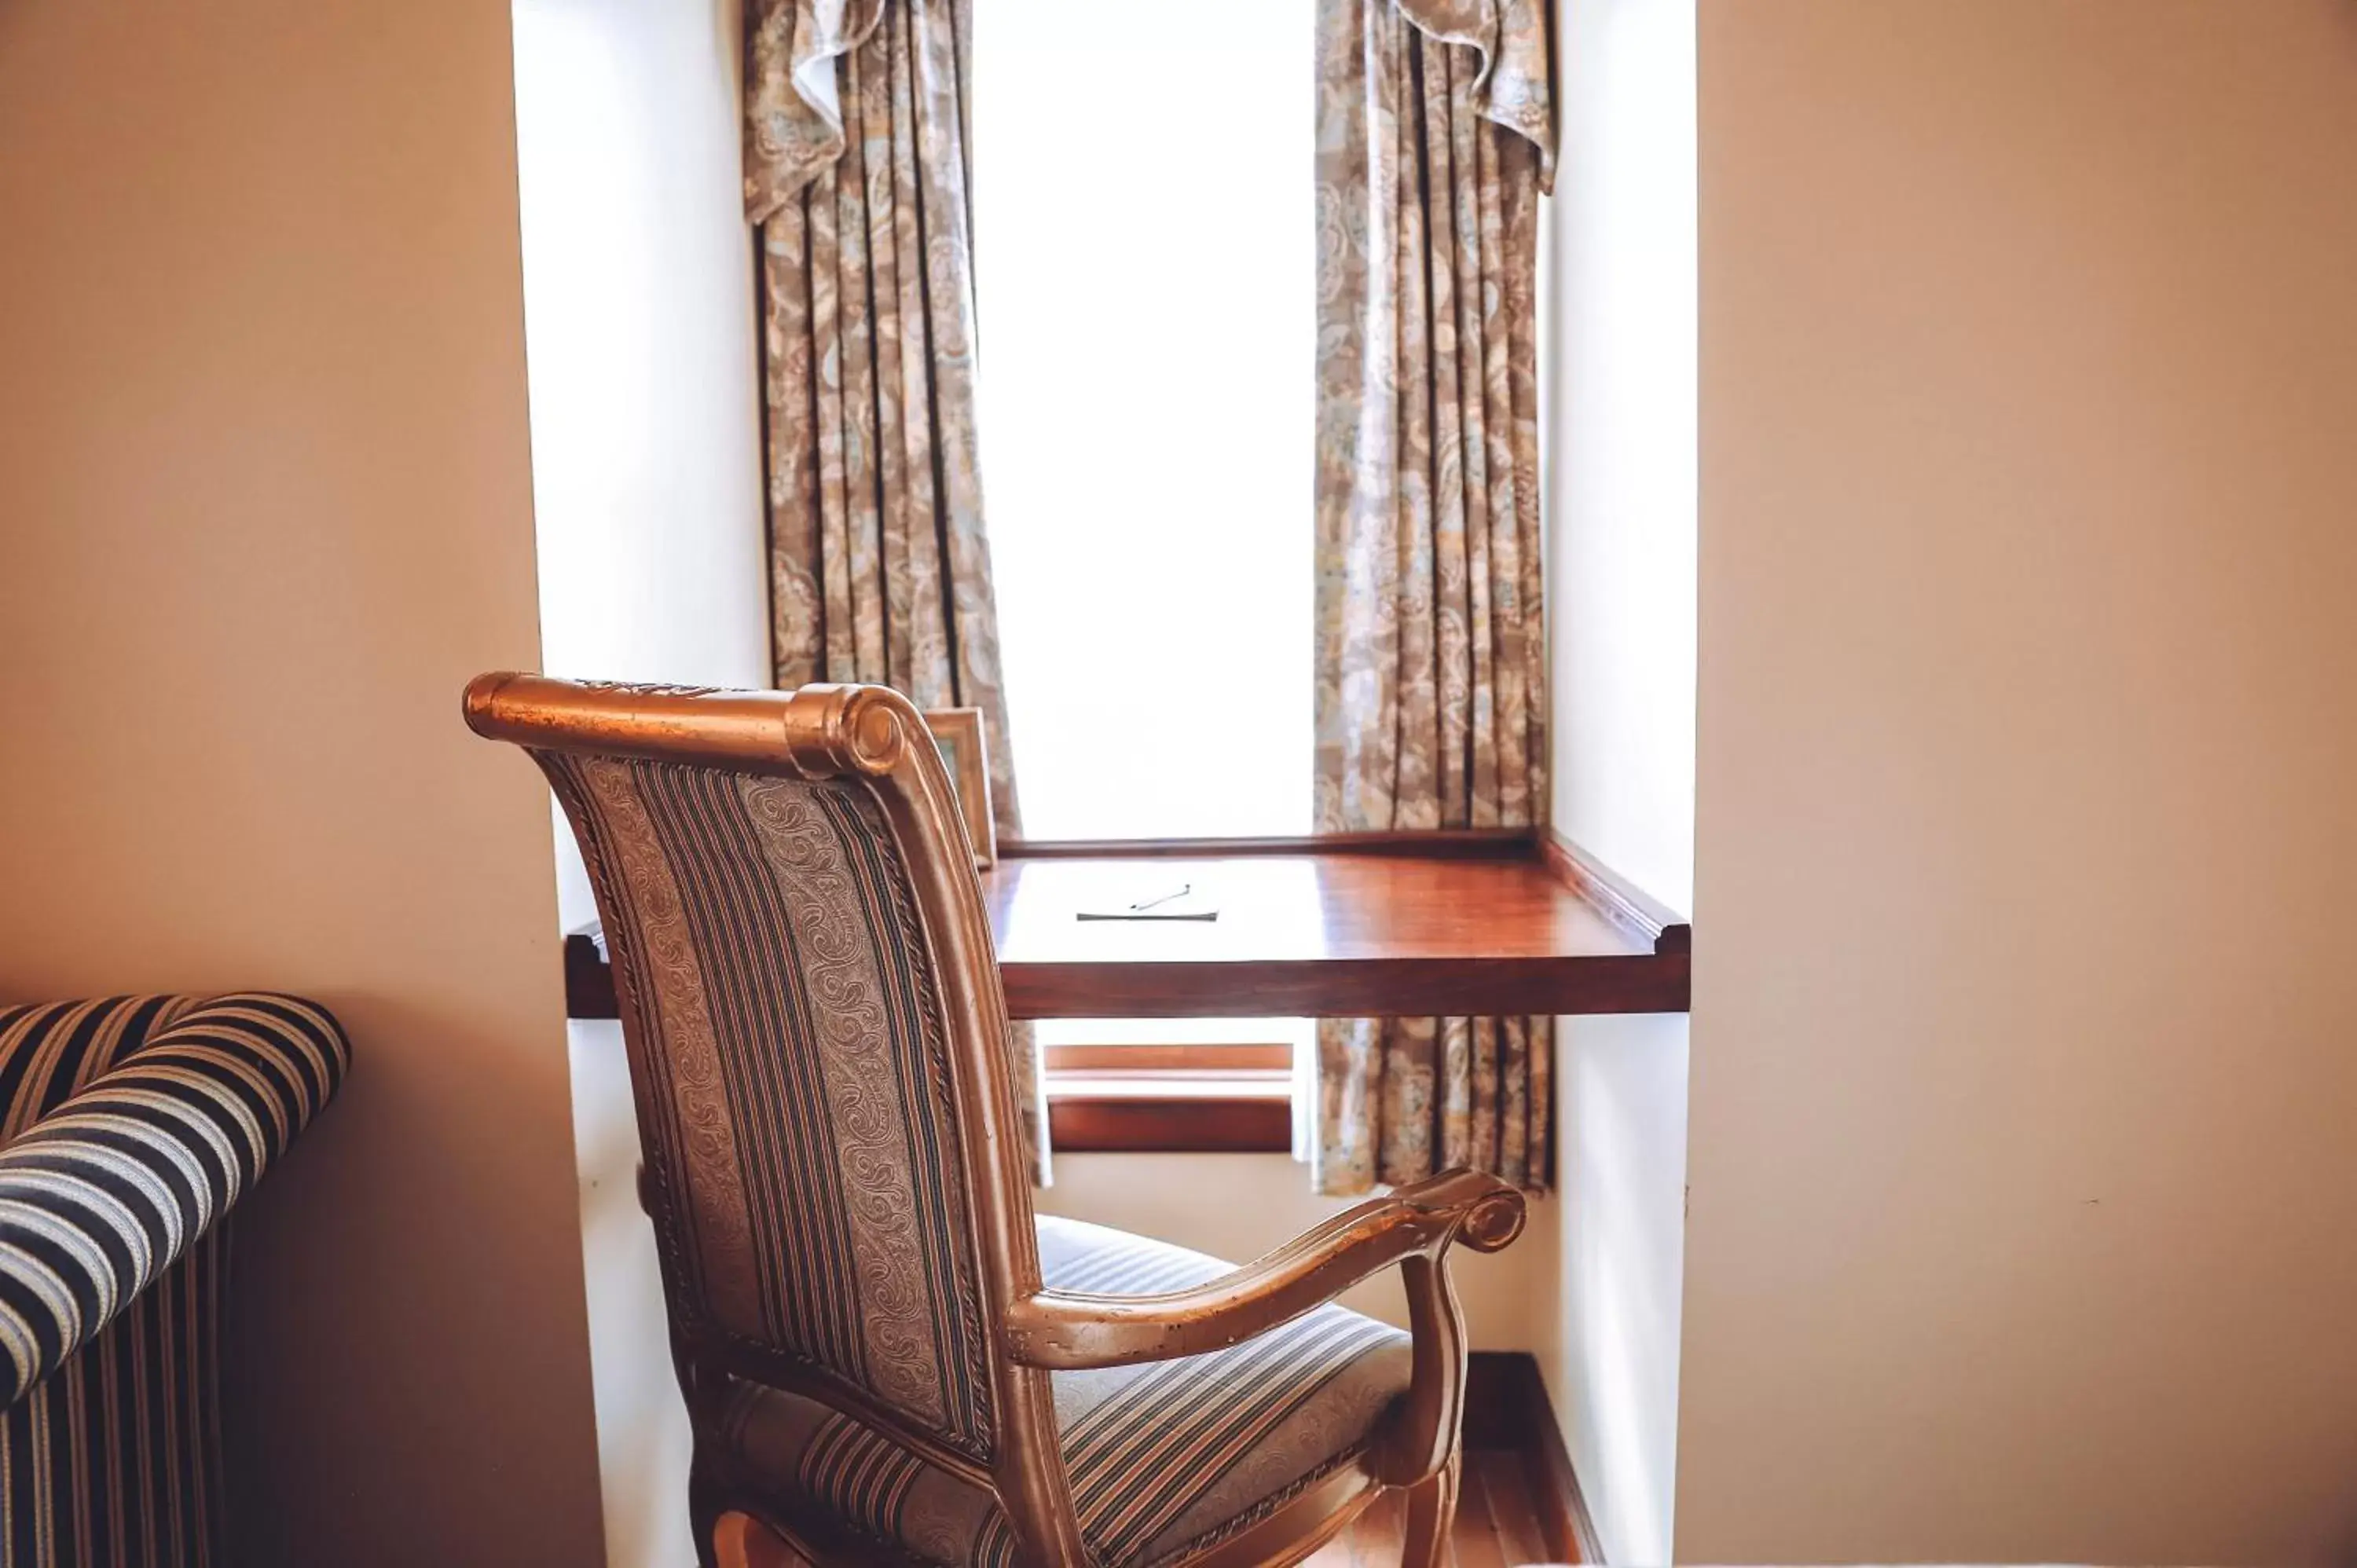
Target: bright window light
x=1145 y=278
x=1144 y=224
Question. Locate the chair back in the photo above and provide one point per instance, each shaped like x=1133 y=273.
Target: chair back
x=818 y=1052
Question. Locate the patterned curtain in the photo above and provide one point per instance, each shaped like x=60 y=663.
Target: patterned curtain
x=1434 y=143
x=857 y=180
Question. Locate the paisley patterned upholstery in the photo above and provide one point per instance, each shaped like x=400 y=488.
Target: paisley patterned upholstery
x=1165 y=1458
x=796 y=1104
x=128 y=1127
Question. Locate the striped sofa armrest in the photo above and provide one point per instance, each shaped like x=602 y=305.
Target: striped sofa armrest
x=127 y=1127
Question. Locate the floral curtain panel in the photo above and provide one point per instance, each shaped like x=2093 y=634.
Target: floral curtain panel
x=857 y=180
x=1434 y=143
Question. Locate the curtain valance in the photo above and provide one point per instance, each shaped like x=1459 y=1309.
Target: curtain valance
x=793 y=108
x=794 y=98
x=1510 y=86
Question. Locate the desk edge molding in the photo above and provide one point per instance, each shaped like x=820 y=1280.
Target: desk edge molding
x=1613 y=896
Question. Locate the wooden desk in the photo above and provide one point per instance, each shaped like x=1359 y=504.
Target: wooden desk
x=1377 y=925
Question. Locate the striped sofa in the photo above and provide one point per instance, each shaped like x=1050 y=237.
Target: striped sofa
x=128 y=1128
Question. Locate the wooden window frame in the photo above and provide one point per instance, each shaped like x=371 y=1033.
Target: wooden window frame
x=1199 y=1098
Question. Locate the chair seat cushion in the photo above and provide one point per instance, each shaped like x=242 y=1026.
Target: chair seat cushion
x=1171 y=1454
x=1166 y=1458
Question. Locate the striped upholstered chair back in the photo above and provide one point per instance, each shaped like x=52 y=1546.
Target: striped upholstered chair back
x=816 y=1047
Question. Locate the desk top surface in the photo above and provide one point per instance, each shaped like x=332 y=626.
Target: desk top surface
x=1293 y=908
x=1396 y=925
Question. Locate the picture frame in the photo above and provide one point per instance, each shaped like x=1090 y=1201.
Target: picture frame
x=958 y=736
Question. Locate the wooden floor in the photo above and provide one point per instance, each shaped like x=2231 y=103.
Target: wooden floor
x=1495 y=1525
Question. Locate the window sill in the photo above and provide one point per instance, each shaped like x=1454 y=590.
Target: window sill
x=1170 y=1112
x=1171 y=1095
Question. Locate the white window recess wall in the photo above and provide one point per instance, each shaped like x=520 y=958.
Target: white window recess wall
x=1620 y=395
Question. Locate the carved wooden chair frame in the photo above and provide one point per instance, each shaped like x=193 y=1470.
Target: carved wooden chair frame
x=874 y=736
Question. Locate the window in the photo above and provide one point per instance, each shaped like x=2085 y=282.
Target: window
x=1145 y=225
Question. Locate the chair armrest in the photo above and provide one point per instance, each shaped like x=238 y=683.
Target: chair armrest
x=1065 y=1330
x=102 y=1194
x=1413 y=1228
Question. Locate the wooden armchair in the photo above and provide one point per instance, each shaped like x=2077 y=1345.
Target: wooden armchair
x=887 y=1357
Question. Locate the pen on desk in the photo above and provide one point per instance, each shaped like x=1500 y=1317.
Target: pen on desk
x=1157 y=909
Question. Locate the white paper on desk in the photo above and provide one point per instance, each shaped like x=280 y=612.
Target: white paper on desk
x=1167 y=902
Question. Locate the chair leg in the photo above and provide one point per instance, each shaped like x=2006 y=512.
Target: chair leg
x=726 y=1541
x=739 y=1541
x=703 y=1522
x=1431 y=1510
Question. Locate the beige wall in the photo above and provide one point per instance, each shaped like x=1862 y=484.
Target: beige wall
x=2024 y=1215
x=1619 y=463
x=263 y=506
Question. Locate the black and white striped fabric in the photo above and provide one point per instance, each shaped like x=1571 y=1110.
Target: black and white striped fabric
x=128 y=1127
